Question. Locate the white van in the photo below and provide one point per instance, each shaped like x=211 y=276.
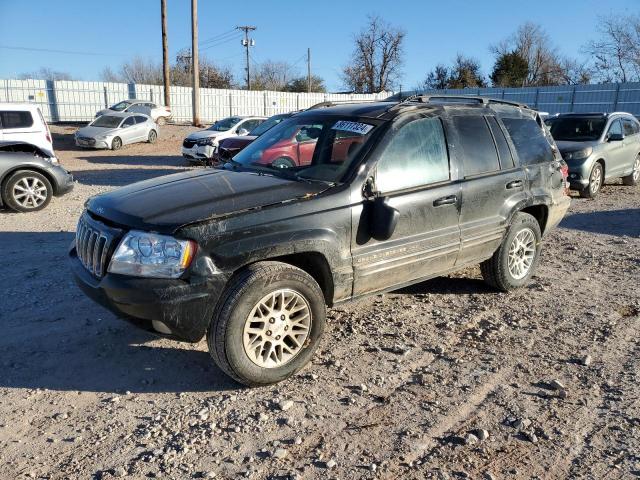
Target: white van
x=24 y=122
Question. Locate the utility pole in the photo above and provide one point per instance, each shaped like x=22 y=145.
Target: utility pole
x=247 y=42
x=165 y=52
x=308 y=70
x=195 y=68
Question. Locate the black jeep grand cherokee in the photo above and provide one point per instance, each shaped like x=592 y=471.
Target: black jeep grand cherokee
x=371 y=197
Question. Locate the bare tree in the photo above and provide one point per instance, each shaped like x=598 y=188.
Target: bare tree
x=272 y=75
x=377 y=58
x=437 y=79
x=46 y=73
x=299 y=84
x=616 y=53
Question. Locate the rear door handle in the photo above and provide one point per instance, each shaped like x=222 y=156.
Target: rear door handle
x=514 y=184
x=450 y=200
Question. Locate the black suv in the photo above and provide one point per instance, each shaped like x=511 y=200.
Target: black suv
x=372 y=197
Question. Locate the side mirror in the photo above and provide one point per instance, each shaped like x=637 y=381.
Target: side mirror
x=242 y=131
x=382 y=219
x=615 y=137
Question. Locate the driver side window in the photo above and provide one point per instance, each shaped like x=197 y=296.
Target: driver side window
x=615 y=128
x=416 y=156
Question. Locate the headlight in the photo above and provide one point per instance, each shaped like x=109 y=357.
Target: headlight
x=206 y=141
x=579 y=154
x=143 y=254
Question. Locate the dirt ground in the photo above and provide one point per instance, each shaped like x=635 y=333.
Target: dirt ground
x=446 y=379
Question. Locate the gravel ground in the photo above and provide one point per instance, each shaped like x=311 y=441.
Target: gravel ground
x=445 y=379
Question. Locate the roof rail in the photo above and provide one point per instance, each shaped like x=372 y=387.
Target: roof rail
x=421 y=98
x=333 y=103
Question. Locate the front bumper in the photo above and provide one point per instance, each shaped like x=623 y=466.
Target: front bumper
x=579 y=171
x=199 y=152
x=95 y=144
x=63 y=180
x=185 y=307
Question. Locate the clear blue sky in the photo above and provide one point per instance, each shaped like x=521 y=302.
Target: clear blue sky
x=115 y=30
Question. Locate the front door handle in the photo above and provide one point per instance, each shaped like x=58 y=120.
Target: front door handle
x=514 y=184
x=450 y=200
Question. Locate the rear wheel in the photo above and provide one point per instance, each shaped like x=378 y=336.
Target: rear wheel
x=634 y=177
x=283 y=162
x=153 y=136
x=515 y=261
x=116 y=143
x=161 y=121
x=596 y=179
x=27 y=191
x=269 y=323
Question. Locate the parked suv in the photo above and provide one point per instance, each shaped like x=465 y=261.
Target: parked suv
x=251 y=255
x=598 y=147
x=24 y=122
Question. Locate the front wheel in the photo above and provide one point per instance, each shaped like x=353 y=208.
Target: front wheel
x=161 y=121
x=596 y=179
x=515 y=261
x=27 y=191
x=633 y=178
x=268 y=324
x=153 y=136
x=116 y=143
x=283 y=162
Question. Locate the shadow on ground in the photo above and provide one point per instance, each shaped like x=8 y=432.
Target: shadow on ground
x=55 y=338
x=609 y=222
x=448 y=286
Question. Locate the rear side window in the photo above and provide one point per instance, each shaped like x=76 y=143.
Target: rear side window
x=10 y=119
x=479 y=151
x=504 y=152
x=529 y=140
x=416 y=156
x=128 y=122
x=140 y=119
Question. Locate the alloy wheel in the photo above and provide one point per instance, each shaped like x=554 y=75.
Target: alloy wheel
x=277 y=328
x=30 y=192
x=522 y=252
x=636 y=169
x=596 y=180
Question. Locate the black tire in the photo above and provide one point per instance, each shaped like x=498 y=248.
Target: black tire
x=594 y=187
x=496 y=271
x=243 y=294
x=283 y=162
x=153 y=136
x=116 y=143
x=15 y=186
x=634 y=177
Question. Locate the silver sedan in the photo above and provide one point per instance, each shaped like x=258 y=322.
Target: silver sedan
x=117 y=129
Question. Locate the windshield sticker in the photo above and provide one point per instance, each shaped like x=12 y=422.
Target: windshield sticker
x=355 y=127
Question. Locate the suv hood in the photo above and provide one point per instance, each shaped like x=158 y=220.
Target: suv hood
x=566 y=146
x=167 y=203
x=203 y=134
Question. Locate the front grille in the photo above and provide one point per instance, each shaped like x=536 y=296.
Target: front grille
x=188 y=143
x=93 y=245
x=88 y=140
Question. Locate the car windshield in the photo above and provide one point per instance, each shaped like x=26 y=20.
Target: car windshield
x=268 y=124
x=310 y=147
x=576 y=128
x=224 y=124
x=107 y=121
x=119 y=107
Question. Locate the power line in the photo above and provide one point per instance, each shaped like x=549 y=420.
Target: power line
x=68 y=52
x=231 y=39
x=217 y=37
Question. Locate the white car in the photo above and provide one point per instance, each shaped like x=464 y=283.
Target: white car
x=200 y=146
x=23 y=122
x=117 y=129
x=159 y=114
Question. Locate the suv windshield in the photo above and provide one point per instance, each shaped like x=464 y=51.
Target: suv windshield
x=576 y=128
x=268 y=124
x=224 y=124
x=107 y=121
x=118 y=107
x=316 y=148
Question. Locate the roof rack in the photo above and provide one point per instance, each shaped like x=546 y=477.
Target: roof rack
x=333 y=103
x=421 y=98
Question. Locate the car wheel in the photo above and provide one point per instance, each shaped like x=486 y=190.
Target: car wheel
x=268 y=323
x=283 y=162
x=27 y=191
x=161 y=121
x=153 y=136
x=515 y=261
x=634 y=177
x=596 y=179
x=116 y=143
